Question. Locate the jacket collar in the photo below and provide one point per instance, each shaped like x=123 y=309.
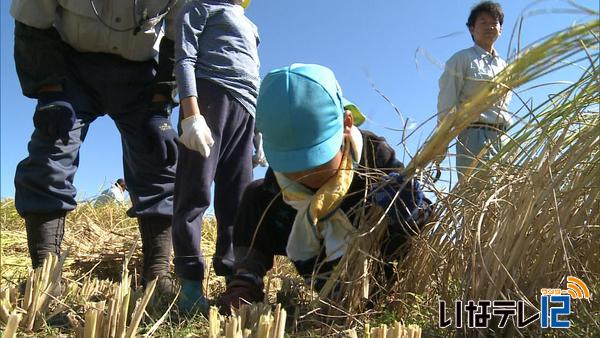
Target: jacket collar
x=484 y=53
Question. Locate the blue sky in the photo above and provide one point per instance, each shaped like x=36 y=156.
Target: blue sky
x=364 y=42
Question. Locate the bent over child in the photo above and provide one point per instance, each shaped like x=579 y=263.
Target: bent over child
x=306 y=206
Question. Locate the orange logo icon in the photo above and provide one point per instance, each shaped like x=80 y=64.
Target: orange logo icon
x=577 y=289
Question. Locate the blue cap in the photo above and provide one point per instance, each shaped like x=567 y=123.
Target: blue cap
x=300 y=112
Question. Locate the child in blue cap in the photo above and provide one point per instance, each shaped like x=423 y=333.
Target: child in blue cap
x=217 y=75
x=305 y=207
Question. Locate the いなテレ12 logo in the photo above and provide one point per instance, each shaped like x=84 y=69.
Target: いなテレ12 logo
x=555 y=307
x=556 y=303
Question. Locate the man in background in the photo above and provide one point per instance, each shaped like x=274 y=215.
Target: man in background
x=467 y=72
x=116 y=193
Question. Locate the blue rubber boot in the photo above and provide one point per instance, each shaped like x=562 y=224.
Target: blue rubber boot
x=191 y=298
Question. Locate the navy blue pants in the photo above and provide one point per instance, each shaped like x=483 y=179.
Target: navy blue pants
x=97 y=84
x=229 y=165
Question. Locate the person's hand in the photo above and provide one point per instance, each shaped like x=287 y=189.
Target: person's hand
x=259 y=158
x=196 y=134
x=54 y=117
x=406 y=204
x=163 y=138
x=240 y=289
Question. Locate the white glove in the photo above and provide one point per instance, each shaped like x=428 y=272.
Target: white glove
x=259 y=155
x=196 y=134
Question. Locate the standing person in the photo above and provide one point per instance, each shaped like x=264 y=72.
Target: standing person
x=82 y=60
x=317 y=184
x=217 y=74
x=468 y=71
x=116 y=193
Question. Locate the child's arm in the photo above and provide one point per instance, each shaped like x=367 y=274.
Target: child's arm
x=190 y=24
x=196 y=134
x=189 y=106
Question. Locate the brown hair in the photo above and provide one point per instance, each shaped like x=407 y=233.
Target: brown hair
x=492 y=8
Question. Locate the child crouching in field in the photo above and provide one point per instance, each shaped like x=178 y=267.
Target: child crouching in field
x=305 y=207
x=217 y=76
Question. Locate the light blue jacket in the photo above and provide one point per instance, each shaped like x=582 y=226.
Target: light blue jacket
x=215 y=41
x=464 y=74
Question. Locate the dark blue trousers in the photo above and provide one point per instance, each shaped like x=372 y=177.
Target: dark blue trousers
x=229 y=166
x=97 y=84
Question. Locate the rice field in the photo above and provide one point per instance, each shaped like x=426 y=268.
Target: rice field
x=522 y=222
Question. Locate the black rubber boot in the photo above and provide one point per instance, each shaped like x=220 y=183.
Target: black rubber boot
x=44 y=235
x=156 y=248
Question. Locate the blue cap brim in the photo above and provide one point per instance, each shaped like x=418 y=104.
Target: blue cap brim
x=288 y=161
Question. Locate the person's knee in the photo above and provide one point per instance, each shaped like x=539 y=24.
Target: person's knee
x=255 y=186
x=253 y=191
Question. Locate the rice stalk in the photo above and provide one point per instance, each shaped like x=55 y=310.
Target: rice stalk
x=139 y=309
x=42 y=282
x=12 y=324
x=214 y=322
x=91 y=318
x=397 y=330
x=6 y=307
